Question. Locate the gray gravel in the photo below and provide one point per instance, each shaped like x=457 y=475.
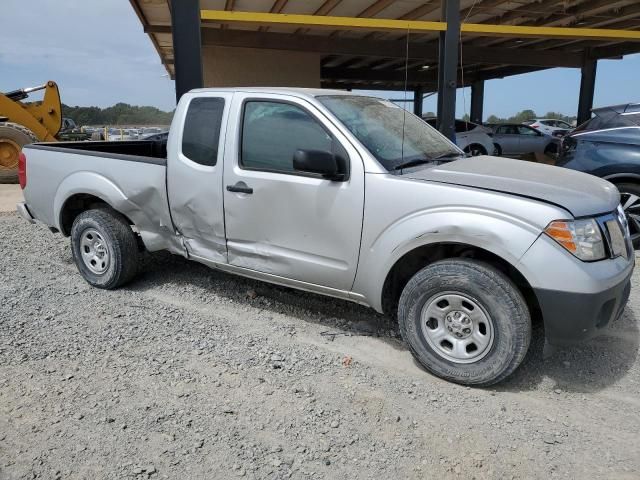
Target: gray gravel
x=192 y=373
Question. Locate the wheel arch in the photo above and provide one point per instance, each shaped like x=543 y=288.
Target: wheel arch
x=87 y=188
x=419 y=257
x=77 y=203
x=618 y=178
x=80 y=191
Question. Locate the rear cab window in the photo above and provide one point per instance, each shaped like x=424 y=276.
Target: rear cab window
x=201 y=131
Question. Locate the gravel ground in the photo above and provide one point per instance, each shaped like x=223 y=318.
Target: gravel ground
x=193 y=373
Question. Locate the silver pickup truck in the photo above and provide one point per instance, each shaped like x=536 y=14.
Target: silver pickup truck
x=352 y=197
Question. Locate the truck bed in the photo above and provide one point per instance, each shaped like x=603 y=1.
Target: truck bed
x=128 y=175
x=148 y=151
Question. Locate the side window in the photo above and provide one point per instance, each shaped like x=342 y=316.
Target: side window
x=527 y=131
x=201 y=133
x=273 y=131
x=508 y=130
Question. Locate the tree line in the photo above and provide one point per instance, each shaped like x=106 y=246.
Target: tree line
x=125 y=114
x=529 y=114
x=118 y=114
x=519 y=117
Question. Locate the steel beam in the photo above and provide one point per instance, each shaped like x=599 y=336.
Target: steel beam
x=477 y=101
x=417 y=77
x=383 y=24
x=587 y=89
x=379 y=48
x=418 y=95
x=185 y=17
x=448 y=68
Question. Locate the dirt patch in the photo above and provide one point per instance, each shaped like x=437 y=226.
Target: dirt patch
x=9 y=196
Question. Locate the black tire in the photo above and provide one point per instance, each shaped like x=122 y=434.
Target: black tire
x=12 y=138
x=496 y=296
x=116 y=237
x=497 y=150
x=475 y=150
x=551 y=150
x=632 y=210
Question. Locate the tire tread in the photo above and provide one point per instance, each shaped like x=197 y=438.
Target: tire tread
x=509 y=294
x=125 y=250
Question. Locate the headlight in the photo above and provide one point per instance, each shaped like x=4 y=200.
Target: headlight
x=581 y=237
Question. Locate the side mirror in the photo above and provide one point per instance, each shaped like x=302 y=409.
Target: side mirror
x=320 y=162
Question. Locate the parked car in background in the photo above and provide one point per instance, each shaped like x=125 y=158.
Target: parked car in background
x=550 y=126
x=515 y=140
x=157 y=137
x=271 y=184
x=608 y=146
x=472 y=138
x=144 y=132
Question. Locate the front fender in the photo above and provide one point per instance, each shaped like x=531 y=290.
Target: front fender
x=506 y=236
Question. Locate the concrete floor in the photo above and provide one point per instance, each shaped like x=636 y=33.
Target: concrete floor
x=9 y=196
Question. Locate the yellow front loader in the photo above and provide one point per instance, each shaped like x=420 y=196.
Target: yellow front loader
x=26 y=122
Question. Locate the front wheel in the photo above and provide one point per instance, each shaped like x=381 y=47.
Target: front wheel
x=630 y=201
x=551 y=150
x=475 y=150
x=104 y=248
x=465 y=321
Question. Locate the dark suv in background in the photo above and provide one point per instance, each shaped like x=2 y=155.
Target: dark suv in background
x=608 y=146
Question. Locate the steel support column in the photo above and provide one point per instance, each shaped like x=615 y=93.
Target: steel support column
x=187 y=46
x=477 y=101
x=418 y=95
x=587 y=88
x=448 y=68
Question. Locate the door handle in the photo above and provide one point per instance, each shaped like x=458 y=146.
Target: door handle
x=240 y=187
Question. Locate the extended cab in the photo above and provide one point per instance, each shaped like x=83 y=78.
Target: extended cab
x=352 y=197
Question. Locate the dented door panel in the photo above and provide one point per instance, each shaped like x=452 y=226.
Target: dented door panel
x=294 y=226
x=195 y=190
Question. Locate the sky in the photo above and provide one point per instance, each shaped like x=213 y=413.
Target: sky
x=98 y=54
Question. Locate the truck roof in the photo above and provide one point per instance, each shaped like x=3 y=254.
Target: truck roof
x=300 y=92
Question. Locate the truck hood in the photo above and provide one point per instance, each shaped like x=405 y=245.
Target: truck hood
x=581 y=194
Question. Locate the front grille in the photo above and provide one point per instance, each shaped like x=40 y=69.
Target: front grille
x=616 y=239
x=616 y=234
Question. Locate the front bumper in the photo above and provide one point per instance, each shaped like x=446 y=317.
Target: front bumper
x=24 y=212
x=571 y=317
x=577 y=299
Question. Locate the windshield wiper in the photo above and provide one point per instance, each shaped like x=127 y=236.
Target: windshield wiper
x=413 y=163
x=447 y=155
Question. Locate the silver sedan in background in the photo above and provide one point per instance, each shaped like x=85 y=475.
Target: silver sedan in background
x=513 y=139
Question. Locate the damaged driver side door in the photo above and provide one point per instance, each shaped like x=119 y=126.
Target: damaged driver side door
x=281 y=221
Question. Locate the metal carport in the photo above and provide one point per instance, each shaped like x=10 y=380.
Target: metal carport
x=427 y=46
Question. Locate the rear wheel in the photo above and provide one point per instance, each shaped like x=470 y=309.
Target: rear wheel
x=465 y=321
x=104 y=248
x=12 y=138
x=630 y=201
x=475 y=150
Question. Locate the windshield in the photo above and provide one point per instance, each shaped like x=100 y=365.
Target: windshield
x=378 y=125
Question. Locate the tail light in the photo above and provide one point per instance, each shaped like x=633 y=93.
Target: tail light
x=22 y=170
x=535 y=125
